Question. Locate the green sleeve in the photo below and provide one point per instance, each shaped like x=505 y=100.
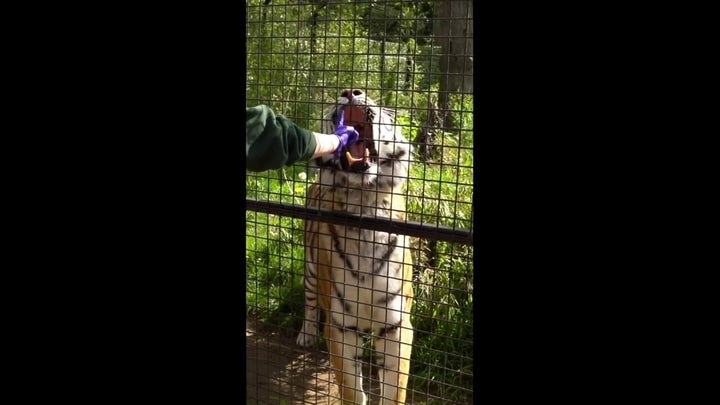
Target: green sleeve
x=274 y=141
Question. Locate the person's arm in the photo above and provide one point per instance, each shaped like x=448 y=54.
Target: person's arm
x=274 y=141
x=325 y=144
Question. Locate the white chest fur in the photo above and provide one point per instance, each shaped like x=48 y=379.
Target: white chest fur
x=367 y=276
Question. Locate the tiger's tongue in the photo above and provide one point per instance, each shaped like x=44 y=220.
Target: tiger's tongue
x=357 y=149
x=355 y=116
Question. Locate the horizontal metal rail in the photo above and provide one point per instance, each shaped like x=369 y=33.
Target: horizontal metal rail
x=410 y=228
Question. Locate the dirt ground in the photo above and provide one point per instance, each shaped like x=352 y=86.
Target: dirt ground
x=281 y=373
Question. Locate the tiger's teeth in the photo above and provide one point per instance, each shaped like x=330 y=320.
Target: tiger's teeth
x=351 y=159
x=366 y=157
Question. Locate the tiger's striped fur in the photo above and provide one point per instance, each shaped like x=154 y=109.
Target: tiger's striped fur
x=361 y=279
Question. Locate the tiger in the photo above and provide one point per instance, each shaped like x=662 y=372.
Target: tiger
x=361 y=279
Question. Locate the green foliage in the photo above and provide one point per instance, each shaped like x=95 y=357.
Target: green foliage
x=273 y=265
x=397 y=21
x=300 y=57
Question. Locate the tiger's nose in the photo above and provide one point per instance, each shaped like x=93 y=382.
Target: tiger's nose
x=349 y=94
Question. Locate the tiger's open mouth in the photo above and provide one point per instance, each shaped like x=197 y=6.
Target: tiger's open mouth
x=358 y=156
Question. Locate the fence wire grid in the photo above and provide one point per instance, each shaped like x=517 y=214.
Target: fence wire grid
x=415 y=59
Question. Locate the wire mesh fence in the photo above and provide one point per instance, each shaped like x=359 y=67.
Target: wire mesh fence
x=413 y=61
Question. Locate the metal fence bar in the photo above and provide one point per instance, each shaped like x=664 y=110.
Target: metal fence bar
x=409 y=228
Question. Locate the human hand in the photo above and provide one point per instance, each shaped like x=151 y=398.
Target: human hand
x=346 y=134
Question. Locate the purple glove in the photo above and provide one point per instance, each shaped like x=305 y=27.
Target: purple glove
x=347 y=135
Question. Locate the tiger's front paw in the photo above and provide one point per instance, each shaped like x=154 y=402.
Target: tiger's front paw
x=307 y=336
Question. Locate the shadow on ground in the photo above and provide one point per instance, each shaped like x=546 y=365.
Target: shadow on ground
x=281 y=373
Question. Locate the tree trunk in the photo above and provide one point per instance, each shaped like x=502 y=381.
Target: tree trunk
x=426 y=138
x=264 y=14
x=453 y=31
x=409 y=69
x=382 y=59
x=313 y=25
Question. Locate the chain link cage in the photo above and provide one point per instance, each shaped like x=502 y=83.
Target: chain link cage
x=414 y=58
